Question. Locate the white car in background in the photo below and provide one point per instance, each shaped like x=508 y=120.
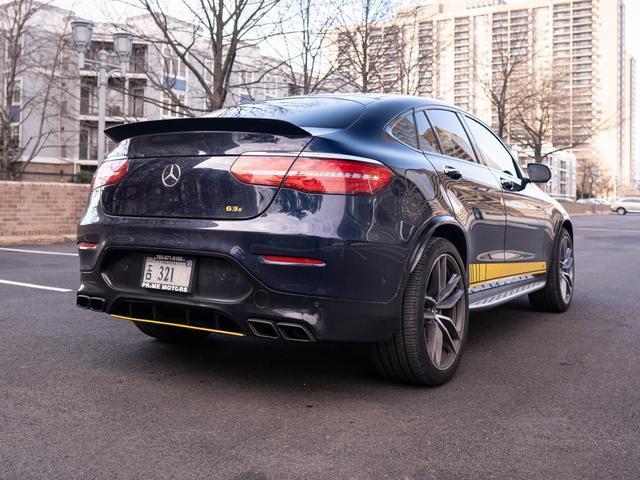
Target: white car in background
x=623 y=206
x=594 y=201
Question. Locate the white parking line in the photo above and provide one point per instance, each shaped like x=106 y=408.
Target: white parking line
x=615 y=230
x=33 y=285
x=45 y=252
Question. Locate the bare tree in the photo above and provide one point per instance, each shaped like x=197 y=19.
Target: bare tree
x=505 y=85
x=592 y=181
x=33 y=54
x=360 y=44
x=536 y=125
x=207 y=46
x=303 y=37
x=414 y=58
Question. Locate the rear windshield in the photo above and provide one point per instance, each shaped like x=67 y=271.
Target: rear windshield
x=303 y=111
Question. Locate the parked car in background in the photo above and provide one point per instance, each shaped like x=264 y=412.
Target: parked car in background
x=623 y=206
x=362 y=218
x=594 y=201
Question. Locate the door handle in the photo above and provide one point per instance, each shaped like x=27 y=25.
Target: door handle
x=506 y=183
x=452 y=172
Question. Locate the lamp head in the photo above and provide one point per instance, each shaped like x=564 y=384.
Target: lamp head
x=81 y=32
x=122 y=45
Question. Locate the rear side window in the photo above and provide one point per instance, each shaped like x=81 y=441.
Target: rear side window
x=493 y=151
x=426 y=135
x=319 y=112
x=450 y=131
x=404 y=130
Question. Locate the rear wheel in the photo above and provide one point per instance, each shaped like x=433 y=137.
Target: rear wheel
x=557 y=294
x=621 y=211
x=427 y=346
x=169 y=334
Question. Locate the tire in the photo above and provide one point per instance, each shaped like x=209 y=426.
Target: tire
x=410 y=355
x=553 y=297
x=621 y=211
x=175 y=335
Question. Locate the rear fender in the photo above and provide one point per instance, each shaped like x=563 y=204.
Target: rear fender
x=444 y=223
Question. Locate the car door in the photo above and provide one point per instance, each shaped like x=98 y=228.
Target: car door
x=525 y=203
x=473 y=191
x=634 y=204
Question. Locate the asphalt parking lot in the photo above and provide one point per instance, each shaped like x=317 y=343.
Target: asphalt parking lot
x=83 y=395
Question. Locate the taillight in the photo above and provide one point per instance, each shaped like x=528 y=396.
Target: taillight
x=313 y=175
x=326 y=175
x=109 y=173
x=261 y=170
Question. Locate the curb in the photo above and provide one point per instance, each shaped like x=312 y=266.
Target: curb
x=36 y=239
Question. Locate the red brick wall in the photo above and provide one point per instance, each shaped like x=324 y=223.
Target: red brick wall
x=36 y=208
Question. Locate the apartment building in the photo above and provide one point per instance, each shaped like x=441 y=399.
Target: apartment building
x=155 y=80
x=460 y=45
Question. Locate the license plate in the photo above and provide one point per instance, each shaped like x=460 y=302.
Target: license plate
x=171 y=273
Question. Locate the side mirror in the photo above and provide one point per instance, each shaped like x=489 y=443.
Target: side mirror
x=538 y=173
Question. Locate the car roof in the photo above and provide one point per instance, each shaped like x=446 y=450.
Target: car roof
x=369 y=98
x=377 y=109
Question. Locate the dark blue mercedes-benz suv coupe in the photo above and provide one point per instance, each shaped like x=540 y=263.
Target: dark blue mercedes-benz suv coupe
x=363 y=218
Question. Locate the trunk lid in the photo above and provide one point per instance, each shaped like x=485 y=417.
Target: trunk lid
x=181 y=169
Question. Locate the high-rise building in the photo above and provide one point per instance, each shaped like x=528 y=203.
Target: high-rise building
x=582 y=42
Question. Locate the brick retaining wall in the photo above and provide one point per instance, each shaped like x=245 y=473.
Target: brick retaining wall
x=35 y=208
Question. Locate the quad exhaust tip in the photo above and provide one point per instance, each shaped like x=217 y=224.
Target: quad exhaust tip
x=92 y=303
x=288 y=331
x=263 y=328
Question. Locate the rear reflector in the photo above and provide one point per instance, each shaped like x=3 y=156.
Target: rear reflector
x=110 y=173
x=313 y=175
x=278 y=260
x=87 y=246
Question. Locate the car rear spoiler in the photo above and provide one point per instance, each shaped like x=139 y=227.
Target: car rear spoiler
x=205 y=124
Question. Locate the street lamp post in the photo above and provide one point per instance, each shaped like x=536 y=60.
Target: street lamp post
x=82 y=32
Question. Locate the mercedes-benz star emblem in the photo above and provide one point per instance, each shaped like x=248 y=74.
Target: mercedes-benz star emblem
x=171 y=175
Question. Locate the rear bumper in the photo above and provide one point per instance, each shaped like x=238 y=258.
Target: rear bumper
x=324 y=318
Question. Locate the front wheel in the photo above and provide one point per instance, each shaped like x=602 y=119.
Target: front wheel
x=557 y=294
x=427 y=346
x=621 y=211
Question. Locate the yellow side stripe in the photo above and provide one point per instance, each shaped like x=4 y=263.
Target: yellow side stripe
x=505 y=278
x=484 y=272
x=212 y=330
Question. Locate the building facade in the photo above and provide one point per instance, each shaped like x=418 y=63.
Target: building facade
x=461 y=43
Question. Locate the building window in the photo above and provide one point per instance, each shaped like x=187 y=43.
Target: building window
x=83 y=151
x=173 y=67
x=170 y=109
x=17 y=92
x=136 y=105
x=15 y=137
x=138 y=62
x=85 y=99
